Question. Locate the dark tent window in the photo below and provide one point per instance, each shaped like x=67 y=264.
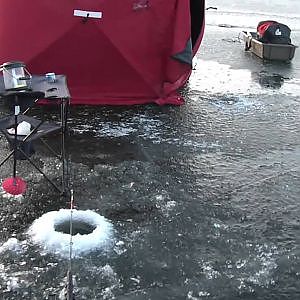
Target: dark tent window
x=197 y=15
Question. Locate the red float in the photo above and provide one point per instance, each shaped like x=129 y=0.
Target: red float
x=14 y=186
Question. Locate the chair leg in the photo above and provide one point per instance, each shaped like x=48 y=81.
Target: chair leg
x=7 y=157
x=38 y=169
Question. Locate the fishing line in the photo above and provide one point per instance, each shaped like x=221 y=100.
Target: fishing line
x=254 y=183
x=70 y=293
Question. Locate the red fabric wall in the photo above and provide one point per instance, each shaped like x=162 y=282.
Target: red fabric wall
x=123 y=58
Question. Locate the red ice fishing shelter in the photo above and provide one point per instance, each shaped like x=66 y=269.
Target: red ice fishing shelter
x=116 y=52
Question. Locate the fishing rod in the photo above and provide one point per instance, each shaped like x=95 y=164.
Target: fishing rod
x=70 y=286
x=68 y=291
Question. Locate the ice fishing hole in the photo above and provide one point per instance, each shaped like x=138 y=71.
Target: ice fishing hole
x=91 y=232
x=78 y=226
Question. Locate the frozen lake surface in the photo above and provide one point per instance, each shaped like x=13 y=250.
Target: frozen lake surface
x=203 y=198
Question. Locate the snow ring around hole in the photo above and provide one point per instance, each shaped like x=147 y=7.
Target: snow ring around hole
x=43 y=232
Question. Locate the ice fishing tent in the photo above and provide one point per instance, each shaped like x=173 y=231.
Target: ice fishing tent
x=112 y=51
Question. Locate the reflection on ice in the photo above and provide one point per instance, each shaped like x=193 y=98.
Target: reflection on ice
x=213 y=78
x=44 y=231
x=273 y=81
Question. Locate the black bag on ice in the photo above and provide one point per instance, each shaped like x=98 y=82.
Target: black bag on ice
x=273 y=32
